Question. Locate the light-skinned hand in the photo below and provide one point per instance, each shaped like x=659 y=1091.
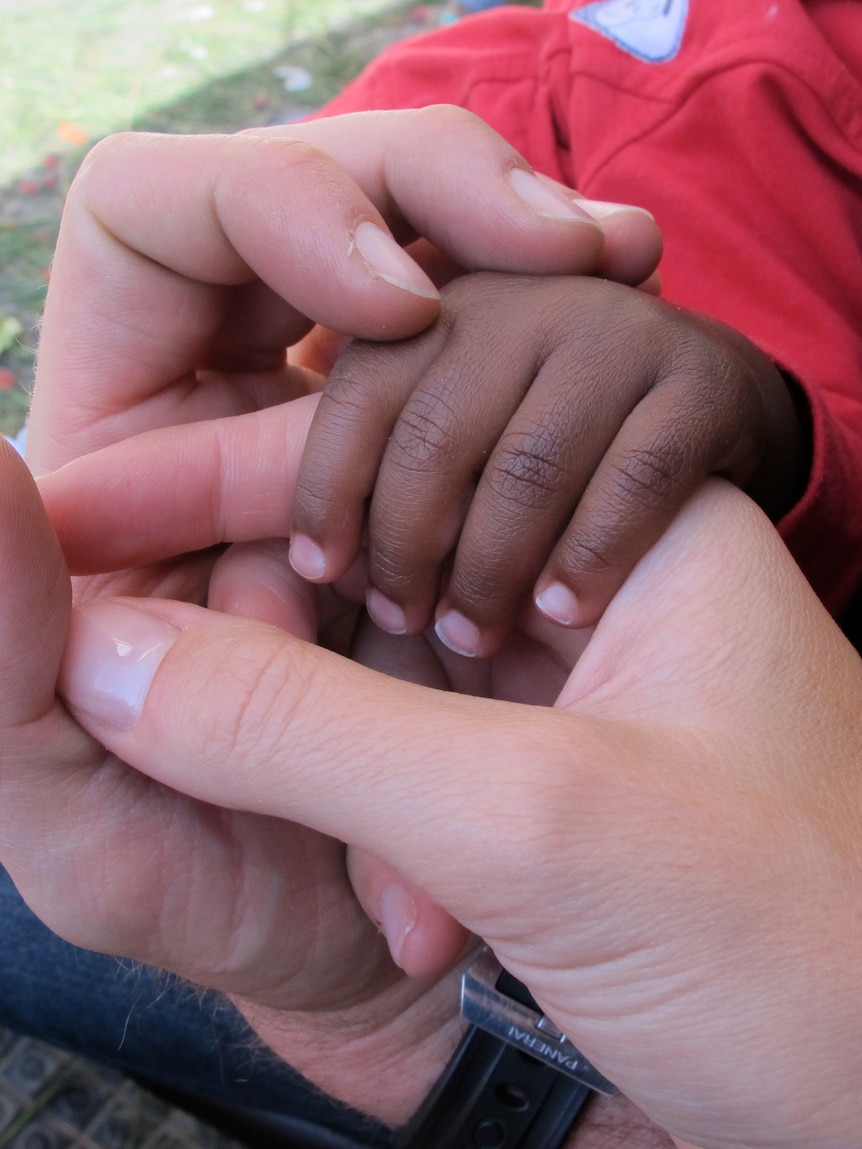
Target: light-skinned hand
x=670 y=859
x=187 y=265
x=186 y=269
x=243 y=902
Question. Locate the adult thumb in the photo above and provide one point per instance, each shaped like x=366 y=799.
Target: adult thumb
x=245 y=716
x=36 y=597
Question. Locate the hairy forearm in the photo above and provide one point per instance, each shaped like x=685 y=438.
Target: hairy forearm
x=384 y=1063
x=380 y=1057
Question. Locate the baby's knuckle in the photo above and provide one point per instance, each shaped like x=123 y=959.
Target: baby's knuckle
x=386 y=567
x=587 y=553
x=359 y=378
x=423 y=438
x=527 y=470
x=648 y=476
x=396 y=542
x=480 y=590
x=393 y=573
x=341 y=408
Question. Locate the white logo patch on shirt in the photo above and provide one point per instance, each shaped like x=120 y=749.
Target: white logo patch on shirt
x=651 y=30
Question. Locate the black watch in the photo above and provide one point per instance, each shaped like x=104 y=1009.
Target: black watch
x=514 y=1082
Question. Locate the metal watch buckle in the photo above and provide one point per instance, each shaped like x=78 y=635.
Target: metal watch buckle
x=484 y=1006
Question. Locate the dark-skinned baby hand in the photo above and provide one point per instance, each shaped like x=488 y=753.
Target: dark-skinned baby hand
x=536 y=440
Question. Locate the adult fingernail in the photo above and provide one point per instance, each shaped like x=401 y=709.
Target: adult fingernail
x=397 y=918
x=306 y=558
x=387 y=260
x=458 y=633
x=599 y=209
x=112 y=653
x=544 y=197
x=557 y=603
x=385 y=613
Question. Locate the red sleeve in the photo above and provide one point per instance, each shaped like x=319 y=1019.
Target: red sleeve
x=492 y=64
x=746 y=146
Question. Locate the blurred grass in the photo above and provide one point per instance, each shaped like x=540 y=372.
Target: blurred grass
x=73 y=70
x=25 y=253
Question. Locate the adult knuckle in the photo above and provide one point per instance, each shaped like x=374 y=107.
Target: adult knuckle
x=291 y=159
x=100 y=153
x=446 y=118
x=98 y=167
x=269 y=695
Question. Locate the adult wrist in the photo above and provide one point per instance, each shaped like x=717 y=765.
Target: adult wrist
x=386 y=1063
x=381 y=1057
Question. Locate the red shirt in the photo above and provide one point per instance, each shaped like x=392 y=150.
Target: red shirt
x=738 y=124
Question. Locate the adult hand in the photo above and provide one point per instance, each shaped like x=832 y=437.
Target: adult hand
x=670 y=859
x=115 y=863
x=187 y=265
x=237 y=901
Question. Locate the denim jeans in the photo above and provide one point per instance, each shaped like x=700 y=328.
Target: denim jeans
x=157 y=1029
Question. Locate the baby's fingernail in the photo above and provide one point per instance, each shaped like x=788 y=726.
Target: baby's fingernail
x=385 y=613
x=557 y=603
x=599 y=210
x=112 y=653
x=387 y=260
x=306 y=558
x=397 y=918
x=458 y=633
x=542 y=196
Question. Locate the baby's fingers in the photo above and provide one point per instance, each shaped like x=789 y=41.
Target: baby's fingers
x=358 y=408
x=660 y=456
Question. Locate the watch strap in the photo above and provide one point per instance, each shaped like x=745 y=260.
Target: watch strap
x=514 y=1082
x=493 y=1096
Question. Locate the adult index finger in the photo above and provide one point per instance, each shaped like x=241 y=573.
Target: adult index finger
x=164 y=237
x=164 y=240
x=455 y=181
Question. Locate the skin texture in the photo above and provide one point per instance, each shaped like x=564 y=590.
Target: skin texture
x=668 y=856
x=211 y=899
x=182 y=273
x=187 y=265
x=679 y=861
x=541 y=434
